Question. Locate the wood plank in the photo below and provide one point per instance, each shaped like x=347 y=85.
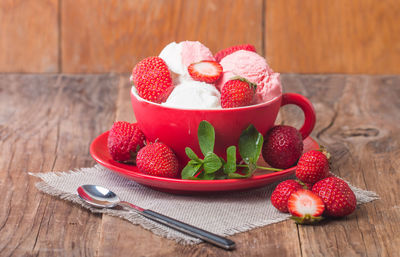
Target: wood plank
x=112 y=36
x=360 y=36
x=29 y=36
x=42 y=119
x=222 y=23
x=361 y=131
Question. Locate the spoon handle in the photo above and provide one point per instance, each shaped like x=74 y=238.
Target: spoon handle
x=189 y=229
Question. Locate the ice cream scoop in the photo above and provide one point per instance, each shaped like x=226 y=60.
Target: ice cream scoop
x=179 y=56
x=253 y=67
x=190 y=94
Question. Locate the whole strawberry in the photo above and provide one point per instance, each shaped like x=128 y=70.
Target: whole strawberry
x=152 y=79
x=338 y=197
x=282 y=146
x=312 y=167
x=157 y=159
x=237 y=92
x=124 y=141
x=305 y=206
x=227 y=51
x=282 y=192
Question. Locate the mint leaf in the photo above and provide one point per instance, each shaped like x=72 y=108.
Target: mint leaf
x=192 y=155
x=250 y=145
x=190 y=169
x=230 y=165
x=206 y=136
x=206 y=176
x=236 y=175
x=212 y=163
x=220 y=177
x=246 y=174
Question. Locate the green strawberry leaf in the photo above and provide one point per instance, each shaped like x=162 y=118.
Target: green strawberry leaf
x=192 y=155
x=191 y=169
x=250 y=145
x=230 y=165
x=206 y=136
x=252 y=85
x=212 y=163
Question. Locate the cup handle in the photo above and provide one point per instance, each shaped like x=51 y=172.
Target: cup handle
x=307 y=108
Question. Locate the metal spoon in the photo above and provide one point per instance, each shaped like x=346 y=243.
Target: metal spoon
x=101 y=197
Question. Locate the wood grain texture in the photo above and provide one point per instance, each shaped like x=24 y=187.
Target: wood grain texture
x=112 y=36
x=46 y=123
x=29 y=36
x=221 y=23
x=361 y=36
x=361 y=132
x=39 y=131
x=97 y=36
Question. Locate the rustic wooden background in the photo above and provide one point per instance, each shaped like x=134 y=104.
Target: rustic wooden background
x=101 y=36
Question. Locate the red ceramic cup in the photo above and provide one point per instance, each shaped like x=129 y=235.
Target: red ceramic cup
x=178 y=127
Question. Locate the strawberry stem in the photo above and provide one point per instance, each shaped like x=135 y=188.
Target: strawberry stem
x=258 y=167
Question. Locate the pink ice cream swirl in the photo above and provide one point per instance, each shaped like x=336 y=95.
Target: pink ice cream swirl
x=253 y=67
x=194 y=51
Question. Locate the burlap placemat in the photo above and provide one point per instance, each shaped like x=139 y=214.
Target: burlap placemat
x=224 y=214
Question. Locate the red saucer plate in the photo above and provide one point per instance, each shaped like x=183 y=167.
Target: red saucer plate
x=99 y=151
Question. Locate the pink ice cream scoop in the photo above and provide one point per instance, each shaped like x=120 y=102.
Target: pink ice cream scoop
x=179 y=56
x=194 y=51
x=253 y=67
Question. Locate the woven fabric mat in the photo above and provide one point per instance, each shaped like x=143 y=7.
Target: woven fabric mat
x=224 y=214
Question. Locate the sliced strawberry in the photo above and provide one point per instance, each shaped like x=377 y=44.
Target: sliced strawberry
x=227 y=51
x=305 y=206
x=205 y=71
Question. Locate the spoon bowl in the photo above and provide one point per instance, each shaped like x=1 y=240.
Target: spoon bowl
x=98 y=196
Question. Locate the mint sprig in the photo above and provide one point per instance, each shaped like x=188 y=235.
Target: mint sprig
x=206 y=137
x=230 y=165
x=214 y=166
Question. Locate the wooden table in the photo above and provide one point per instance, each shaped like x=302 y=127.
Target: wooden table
x=47 y=123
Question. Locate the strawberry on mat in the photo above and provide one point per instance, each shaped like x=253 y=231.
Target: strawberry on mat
x=312 y=167
x=338 y=197
x=282 y=192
